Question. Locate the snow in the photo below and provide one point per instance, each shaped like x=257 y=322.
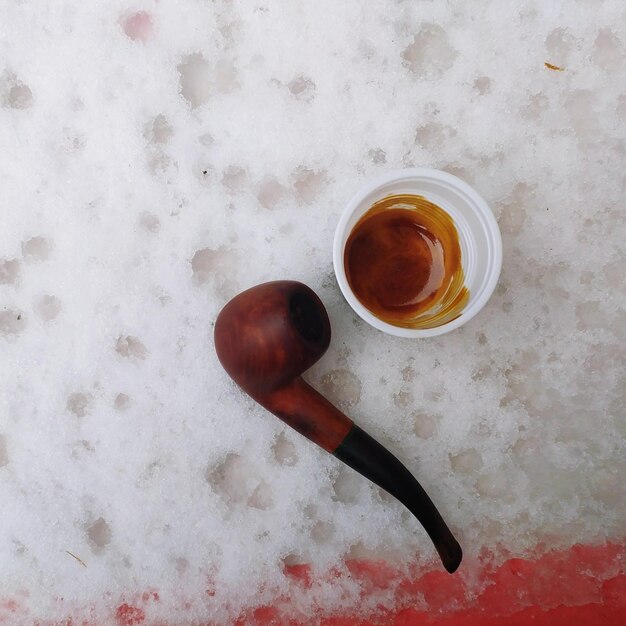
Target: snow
x=157 y=158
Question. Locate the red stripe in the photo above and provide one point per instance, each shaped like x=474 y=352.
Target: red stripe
x=584 y=585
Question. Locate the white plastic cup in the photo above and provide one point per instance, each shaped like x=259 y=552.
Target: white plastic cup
x=479 y=237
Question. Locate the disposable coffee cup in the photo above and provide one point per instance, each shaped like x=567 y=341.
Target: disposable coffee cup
x=479 y=238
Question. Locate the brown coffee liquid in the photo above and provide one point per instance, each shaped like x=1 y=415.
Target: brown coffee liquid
x=403 y=263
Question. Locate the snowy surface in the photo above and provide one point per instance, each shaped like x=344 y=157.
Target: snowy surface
x=158 y=157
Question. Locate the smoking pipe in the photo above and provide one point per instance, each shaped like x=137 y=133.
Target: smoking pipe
x=265 y=338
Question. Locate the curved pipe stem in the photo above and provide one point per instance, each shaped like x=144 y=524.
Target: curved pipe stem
x=365 y=455
x=313 y=416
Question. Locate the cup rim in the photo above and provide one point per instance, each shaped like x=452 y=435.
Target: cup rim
x=478 y=204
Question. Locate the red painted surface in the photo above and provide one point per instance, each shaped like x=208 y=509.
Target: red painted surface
x=301 y=574
x=585 y=585
x=127 y=615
